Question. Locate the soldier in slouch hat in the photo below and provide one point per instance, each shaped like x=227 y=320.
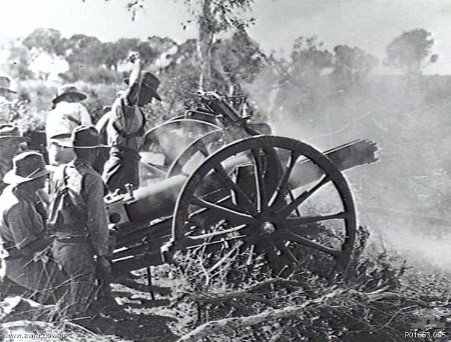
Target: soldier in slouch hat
x=12 y=142
x=24 y=236
x=78 y=217
x=126 y=126
x=68 y=113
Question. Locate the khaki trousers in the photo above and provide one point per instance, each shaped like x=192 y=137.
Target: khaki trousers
x=77 y=262
x=44 y=280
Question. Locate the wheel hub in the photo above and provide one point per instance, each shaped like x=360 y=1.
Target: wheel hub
x=267 y=228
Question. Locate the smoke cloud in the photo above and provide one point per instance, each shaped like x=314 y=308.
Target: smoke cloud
x=404 y=198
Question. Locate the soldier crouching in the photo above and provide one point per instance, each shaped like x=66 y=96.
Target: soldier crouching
x=24 y=237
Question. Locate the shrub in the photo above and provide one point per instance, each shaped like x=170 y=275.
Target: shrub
x=368 y=302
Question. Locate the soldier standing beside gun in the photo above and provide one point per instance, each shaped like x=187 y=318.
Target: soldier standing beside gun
x=78 y=216
x=126 y=127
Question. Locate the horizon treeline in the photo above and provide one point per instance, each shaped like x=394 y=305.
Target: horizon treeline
x=235 y=65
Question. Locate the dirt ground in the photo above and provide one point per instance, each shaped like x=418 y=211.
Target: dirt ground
x=138 y=315
x=141 y=314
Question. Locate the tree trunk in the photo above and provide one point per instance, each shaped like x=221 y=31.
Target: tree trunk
x=204 y=45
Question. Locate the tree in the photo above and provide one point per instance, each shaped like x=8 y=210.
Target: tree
x=19 y=60
x=212 y=17
x=181 y=78
x=237 y=59
x=410 y=50
x=352 y=65
x=84 y=50
x=309 y=59
x=87 y=60
x=300 y=87
x=112 y=55
x=146 y=52
x=116 y=52
x=46 y=39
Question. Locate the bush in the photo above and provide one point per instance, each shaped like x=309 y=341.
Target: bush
x=368 y=302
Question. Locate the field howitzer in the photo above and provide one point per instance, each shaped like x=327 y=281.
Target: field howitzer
x=231 y=186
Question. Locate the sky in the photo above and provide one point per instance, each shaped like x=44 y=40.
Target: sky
x=368 y=24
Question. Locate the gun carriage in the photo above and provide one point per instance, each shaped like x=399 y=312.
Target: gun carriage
x=224 y=188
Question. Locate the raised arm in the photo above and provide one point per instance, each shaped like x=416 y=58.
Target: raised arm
x=134 y=85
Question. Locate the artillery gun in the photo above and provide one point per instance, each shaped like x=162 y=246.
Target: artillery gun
x=225 y=188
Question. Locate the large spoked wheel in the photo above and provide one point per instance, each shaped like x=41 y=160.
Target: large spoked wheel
x=281 y=214
x=196 y=152
x=200 y=149
x=170 y=140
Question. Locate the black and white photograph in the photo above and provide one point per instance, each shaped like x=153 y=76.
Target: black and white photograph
x=225 y=170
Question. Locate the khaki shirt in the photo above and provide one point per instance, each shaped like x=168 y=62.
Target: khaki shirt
x=5 y=108
x=65 y=117
x=22 y=219
x=126 y=119
x=85 y=183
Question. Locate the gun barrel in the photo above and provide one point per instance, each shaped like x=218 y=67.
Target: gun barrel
x=156 y=203
x=344 y=157
x=158 y=200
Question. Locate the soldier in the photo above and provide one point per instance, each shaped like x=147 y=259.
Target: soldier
x=11 y=143
x=78 y=216
x=67 y=114
x=126 y=126
x=23 y=233
x=6 y=94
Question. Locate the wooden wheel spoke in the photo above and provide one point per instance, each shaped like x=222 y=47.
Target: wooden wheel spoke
x=246 y=202
x=274 y=260
x=180 y=163
x=287 y=252
x=216 y=233
x=291 y=196
x=226 y=257
x=224 y=212
x=283 y=185
x=202 y=148
x=312 y=244
x=198 y=145
x=284 y=212
x=266 y=187
x=250 y=257
x=194 y=241
x=298 y=221
x=260 y=185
